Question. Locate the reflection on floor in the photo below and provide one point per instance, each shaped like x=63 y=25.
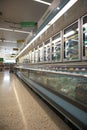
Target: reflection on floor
x=21 y=109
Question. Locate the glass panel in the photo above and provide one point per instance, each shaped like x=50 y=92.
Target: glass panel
x=40 y=53
x=36 y=56
x=71 y=42
x=24 y=72
x=85 y=37
x=72 y=87
x=47 y=51
x=56 y=48
x=32 y=56
x=26 y=58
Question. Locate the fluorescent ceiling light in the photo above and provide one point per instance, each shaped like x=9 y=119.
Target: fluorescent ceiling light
x=85 y=25
x=12 y=30
x=21 y=31
x=10 y=41
x=77 y=29
x=86 y=33
x=56 y=40
x=59 y=14
x=5 y=29
x=9 y=61
x=69 y=33
x=43 y=2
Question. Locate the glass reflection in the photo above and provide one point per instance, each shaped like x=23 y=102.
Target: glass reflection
x=56 y=48
x=40 y=54
x=6 y=77
x=36 y=55
x=70 y=86
x=71 y=42
x=47 y=51
x=32 y=56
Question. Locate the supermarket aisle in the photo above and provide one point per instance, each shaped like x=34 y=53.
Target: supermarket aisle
x=21 y=109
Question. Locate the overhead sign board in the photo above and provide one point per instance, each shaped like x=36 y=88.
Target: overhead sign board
x=15 y=49
x=21 y=41
x=28 y=24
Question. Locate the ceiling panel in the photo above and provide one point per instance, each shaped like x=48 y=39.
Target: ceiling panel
x=12 y=12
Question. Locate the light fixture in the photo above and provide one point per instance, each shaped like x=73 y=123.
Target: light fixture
x=2 y=40
x=9 y=61
x=58 y=8
x=12 y=30
x=77 y=29
x=21 y=31
x=69 y=33
x=58 y=15
x=56 y=40
x=85 y=25
x=5 y=29
x=10 y=41
x=86 y=34
x=43 y=2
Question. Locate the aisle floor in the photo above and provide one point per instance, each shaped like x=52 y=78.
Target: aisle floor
x=21 y=109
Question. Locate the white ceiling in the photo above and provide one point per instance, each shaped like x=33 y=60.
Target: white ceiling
x=16 y=11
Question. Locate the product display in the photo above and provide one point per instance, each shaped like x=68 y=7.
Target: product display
x=36 y=56
x=56 y=50
x=47 y=52
x=71 y=42
x=85 y=37
x=40 y=55
x=71 y=49
x=72 y=87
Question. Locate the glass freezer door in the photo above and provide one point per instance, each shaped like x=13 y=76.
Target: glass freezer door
x=71 y=43
x=84 y=26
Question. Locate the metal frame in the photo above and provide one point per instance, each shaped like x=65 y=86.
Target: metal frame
x=60 y=49
x=64 y=60
x=54 y=72
x=80 y=44
x=83 y=58
x=50 y=50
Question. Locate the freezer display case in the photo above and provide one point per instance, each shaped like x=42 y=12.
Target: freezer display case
x=24 y=72
x=73 y=87
x=85 y=37
x=65 y=91
x=56 y=48
x=71 y=43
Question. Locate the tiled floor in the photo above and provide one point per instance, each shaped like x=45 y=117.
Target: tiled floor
x=21 y=109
